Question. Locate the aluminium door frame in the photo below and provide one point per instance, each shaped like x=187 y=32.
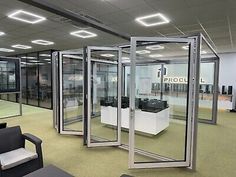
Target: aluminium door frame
x=61 y=110
x=190 y=145
x=88 y=96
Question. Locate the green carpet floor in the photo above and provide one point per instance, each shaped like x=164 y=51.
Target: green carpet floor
x=216 y=149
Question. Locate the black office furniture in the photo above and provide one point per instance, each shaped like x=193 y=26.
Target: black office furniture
x=154 y=105
x=230 y=90
x=3 y=125
x=49 y=171
x=15 y=160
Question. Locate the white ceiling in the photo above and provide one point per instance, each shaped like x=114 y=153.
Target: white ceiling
x=216 y=19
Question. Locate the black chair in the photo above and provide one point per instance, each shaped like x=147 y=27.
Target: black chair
x=15 y=160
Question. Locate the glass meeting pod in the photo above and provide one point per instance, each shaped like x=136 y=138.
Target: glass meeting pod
x=102 y=103
x=172 y=143
x=68 y=92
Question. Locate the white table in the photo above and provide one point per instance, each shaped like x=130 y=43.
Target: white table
x=146 y=122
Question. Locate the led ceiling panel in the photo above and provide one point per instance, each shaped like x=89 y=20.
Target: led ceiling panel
x=6 y=50
x=152 y=20
x=107 y=55
x=26 y=17
x=42 y=42
x=155 y=47
x=19 y=46
x=83 y=34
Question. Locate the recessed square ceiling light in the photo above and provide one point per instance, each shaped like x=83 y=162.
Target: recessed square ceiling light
x=6 y=50
x=83 y=34
x=19 y=46
x=155 y=55
x=42 y=42
x=45 y=55
x=29 y=57
x=125 y=58
x=143 y=51
x=107 y=55
x=27 y=17
x=155 y=47
x=152 y=20
x=185 y=47
x=2 y=33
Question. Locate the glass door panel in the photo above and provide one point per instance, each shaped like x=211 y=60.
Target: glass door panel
x=157 y=139
x=104 y=96
x=71 y=93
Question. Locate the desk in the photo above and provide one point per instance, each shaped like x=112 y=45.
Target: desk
x=146 y=122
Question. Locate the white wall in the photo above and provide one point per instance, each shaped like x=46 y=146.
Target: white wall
x=227 y=70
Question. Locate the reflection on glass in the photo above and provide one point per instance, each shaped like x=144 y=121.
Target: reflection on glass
x=45 y=80
x=32 y=76
x=7 y=75
x=72 y=74
x=23 y=78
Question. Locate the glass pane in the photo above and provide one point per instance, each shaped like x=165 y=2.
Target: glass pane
x=159 y=135
x=23 y=78
x=32 y=76
x=8 y=108
x=207 y=84
x=72 y=76
x=104 y=92
x=206 y=91
x=45 y=80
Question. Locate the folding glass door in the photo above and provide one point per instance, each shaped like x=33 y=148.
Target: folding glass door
x=68 y=81
x=103 y=96
x=209 y=84
x=155 y=138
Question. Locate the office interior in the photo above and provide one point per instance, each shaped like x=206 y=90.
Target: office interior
x=114 y=88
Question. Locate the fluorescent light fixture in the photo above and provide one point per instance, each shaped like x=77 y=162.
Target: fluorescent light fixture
x=6 y=50
x=42 y=42
x=44 y=55
x=185 y=47
x=73 y=56
x=203 y=52
x=107 y=55
x=125 y=58
x=19 y=46
x=33 y=61
x=152 y=20
x=143 y=52
x=155 y=47
x=29 y=57
x=27 y=17
x=47 y=59
x=83 y=34
x=2 y=33
x=155 y=55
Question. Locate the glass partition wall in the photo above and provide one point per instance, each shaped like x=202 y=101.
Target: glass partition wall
x=36 y=79
x=10 y=87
